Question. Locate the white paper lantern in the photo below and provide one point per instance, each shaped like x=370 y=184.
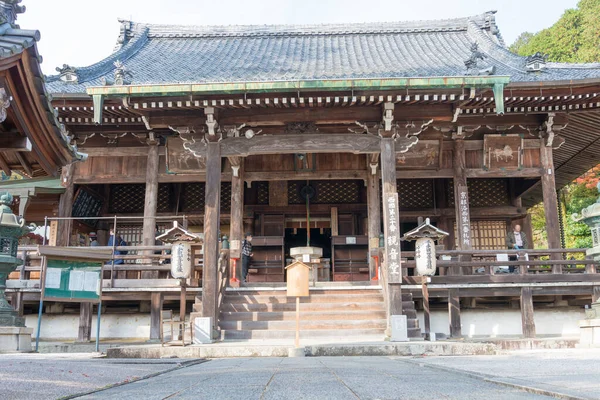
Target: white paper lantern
x=181 y=260
x=425 y=257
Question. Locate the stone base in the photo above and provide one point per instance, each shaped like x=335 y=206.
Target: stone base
x=15 y=339
x=202 y=330
x=296 y=352
x=590 y=333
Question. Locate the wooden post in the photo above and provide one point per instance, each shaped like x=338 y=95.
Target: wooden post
x=454 y=313
x=550 y=203
x=237 y=213
x=527 y=321
x=426 y=312
x=65 y=206
x=156 y=300
x=211 y=232
x=182 y=311
x=334 y=221
x=150 y=204
x=391 y=225
x=297 y=343
x=85 y=322
x=595 y=294
x=461 y=198
x=374 y=211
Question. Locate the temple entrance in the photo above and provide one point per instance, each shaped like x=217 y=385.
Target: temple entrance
x=319 y=237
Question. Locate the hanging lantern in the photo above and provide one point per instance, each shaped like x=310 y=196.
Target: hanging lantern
x=182 y=255
x=425 y=258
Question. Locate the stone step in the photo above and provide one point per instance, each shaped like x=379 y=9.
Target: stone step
x=308 y=315
x=282 y=298
x=304 y=325
x=304 y=334
x=414 y=333
x=313 y=292
x=304 y=307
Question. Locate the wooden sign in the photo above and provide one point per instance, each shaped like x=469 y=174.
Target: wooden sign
x=297 y=279
x=392 y=237
x=182 y=161
x=504 y=152
x=426 y=154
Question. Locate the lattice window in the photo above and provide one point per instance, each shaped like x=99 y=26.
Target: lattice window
x=164 y=197
x=488 y=192
x=192 y=197
x=486 y=235
x=132 y=234
x=415 y=193
x=326 y=192
x=225 y=196
x=483 y=192
x=263 y=192
x=127 y=199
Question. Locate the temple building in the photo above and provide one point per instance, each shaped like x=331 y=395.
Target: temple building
x=338 y=137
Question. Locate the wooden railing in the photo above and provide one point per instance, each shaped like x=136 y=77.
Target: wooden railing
x=475 y=266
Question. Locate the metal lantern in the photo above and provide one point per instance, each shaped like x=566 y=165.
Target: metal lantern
x=11 y=229
x=182 y=256
x=425 y=235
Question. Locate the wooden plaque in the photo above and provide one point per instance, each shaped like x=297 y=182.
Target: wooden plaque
x=426 y=154
x=503 y=152
x=182 y=161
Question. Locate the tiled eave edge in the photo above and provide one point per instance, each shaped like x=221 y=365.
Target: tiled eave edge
x=497 y=83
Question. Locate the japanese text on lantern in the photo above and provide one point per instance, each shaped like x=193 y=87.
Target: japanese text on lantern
x=464 y=218
x=392 y=239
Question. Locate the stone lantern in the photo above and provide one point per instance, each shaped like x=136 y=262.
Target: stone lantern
x=590 y=327
x=425 y=234
x=13 y=334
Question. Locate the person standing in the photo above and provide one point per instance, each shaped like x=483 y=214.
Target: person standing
x=117 y=243
x=246 y=255
x=516 y=240
x=94 y=239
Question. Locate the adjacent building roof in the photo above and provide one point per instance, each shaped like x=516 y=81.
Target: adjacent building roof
x=48 y=137
x=157 y=54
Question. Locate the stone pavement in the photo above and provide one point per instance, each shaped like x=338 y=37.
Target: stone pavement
x=571 y=373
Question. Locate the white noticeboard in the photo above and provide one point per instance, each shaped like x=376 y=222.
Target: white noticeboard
x=53 y=278
x=76 y=280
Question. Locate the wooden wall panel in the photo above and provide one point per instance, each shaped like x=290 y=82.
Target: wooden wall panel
x=474 y=158
x=269 y=163
x=531 y=158
x=446 y=158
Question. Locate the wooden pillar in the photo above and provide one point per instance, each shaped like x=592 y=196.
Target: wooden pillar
x=374 y=211
x=595 y=294
x=527 y=321
x=211 y=232
x=237 y=213
x=156 y=303
x=550 y=203
x=454 y=313
x=65 y=206
x=391 y=225
x=85 y=322
x=150 y=204
x=461 y=197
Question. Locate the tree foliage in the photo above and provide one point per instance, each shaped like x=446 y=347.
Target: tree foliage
x=575 y=37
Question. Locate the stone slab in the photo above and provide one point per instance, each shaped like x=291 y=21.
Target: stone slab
x=399 y=328
x=15 y=339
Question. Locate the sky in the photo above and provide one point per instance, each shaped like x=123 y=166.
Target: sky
x=81 y=32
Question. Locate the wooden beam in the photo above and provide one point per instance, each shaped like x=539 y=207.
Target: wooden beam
x=85 y=322
x=454 y=313
x=211 y=233
x=14 y=142
x=237 y=215
x=24 y=163
x=300 y=176
x=65 y=205
x=4 y=165
x=374 y=210
x=150 y=205
x=550 y=203
x=527 y=321
x=156 y=300
x=140 y=151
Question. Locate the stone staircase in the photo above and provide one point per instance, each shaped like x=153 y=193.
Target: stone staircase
x=340 y=312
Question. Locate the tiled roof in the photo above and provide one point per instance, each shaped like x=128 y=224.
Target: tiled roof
x=13 y=41
x=160 y=54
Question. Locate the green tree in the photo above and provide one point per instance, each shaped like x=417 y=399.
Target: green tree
x=575 y=37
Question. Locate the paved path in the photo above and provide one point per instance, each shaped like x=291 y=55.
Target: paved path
x=473 y=377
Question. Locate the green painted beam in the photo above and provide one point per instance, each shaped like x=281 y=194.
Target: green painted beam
x=496 y=83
